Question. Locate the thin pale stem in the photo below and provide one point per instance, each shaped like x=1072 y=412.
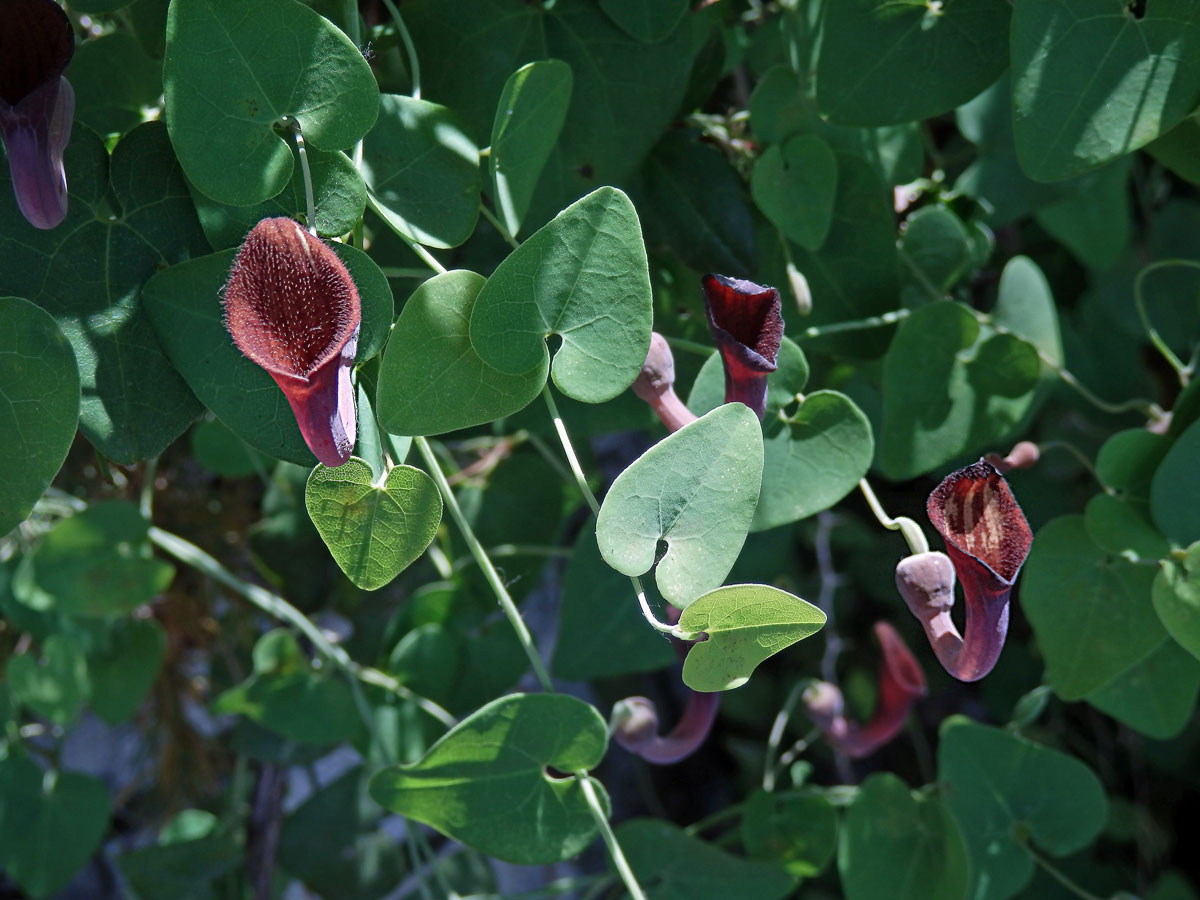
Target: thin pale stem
x=1139 y=301
x=310 y=203
x=920 y=277
x=778 y=727
x=426 y=257
x=414 y=64
x=610 y=839
x=146 y=497
x=793 y=752
x=499 y=226
x=1080 y=457
x=881 y=321
x=485 y=564
x=911 y=530
x=1060 y=876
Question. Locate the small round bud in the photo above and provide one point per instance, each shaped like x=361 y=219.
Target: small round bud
x=926 y=582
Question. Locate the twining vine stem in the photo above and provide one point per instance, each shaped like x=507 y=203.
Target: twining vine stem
x=485 y=564
x=1139 y=301
x=309 y=197
x=610 y=839
x=414 y=64
x=906 y=526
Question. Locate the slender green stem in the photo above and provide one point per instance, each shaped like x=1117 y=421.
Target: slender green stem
x=678 y=343
x=888 y=318
x=426 y=257
x=1139 y=301
x=401 y=272
x=146 y=498
x=278 y=608
x=485 y=564
x=353 y=29
x=414 y=64
x=1059 y=876
x=911 y=530
x=309 y=198
x=1080 y=457
x=778 y=727
x=499 y=226
x=414 y=858
x=792 y=753
x=717 y=818
x=610 y=840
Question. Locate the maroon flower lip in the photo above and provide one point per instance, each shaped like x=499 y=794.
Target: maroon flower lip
x=747 y=326
x=36 y=105
x=292 y=308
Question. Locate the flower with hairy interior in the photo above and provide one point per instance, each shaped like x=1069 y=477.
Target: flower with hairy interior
x=747 y=326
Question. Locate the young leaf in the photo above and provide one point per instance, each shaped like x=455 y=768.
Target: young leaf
x=696 y=490
x=529 y=117
x=423 y=171
x=1003 y=790
x=745 y=624
x=374 y=531
x=39 y=382
x=431 y=379
x=583 y=276
x=794 y=185
x=278 y=58
x=485 y=782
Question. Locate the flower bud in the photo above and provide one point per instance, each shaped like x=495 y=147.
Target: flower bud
x=746 y=325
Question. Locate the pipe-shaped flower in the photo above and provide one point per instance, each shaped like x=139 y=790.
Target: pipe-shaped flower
x=747 y=326
x=292 y=308
x=635 y=727
x=36 y=105
x=987 y=539
x=901 y=682
x=655 y=385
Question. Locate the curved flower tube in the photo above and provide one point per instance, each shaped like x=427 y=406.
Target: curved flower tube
x=987 y=540
x=292 y=308
x=36 y=105
x=635 y=727
x=747 y=326
x=656 y=385
x=901 y=682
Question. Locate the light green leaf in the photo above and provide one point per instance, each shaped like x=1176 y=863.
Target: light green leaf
x=1025 y=307
x=431 y=379
x=745 y=624
x=485 y=783
x=583 y=276
x=1157 y=696
x=696 y=491
x=423 y=171
x=1175 y=489
x=1001 y=787
x=96 y=563
x=1089 y=610
x=529 y=117
x=950 y=388
x=896 y=844
x=1176 y=596
x=88 y=273
x=374 y=530
x=1128 y=460
x=1091 y=81
x=50 y=824
x=601 y=632
x=794 y=184
x=883 y=63
x=184 y=303
x=57 y=686
x=39 y=406
x=672 y=865
x=647 y=20
x=124 y=667
x=277 y=58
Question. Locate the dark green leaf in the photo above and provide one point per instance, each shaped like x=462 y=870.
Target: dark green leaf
x=57 y=686
x=799 y=831
x=647 y=20
x=1175 y=489
x=114 y=80
x=123 y=669
x=1094 y=224
x=1157 y=696
x=936 y=244
x=794 y=185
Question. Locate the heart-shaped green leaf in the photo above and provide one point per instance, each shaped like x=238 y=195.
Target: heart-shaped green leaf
x=672 y=865
x=696 y=490
x=277 y=58
x=647 y=20
x=796 y=830
x=1176 y=596
x=58 y=686
x=814 y=453
x=39 y=387
x=1175 y=489
x=184 y=303
x=950 y=388
x=485 y=782
x=937 y=246
x=745 y=624
x=529 y=117
x=88 y=274
x=49 y=824
x=124 y=666
x=95 y=563
x=374 y=531
x=1155 y=697
x=582 y=276
x=1092 y=81
x=794 y=185
x=1121 y=526
x=1001 y=787
x=114 y=80
x=423 y=171
x=431 y=379
x=883 y=62
x=899 y=844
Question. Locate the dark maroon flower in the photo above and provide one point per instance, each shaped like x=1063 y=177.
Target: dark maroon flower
x=291 y=307
x=36 y=105
x=901 y=682
x=635 y=727
x=747 y=327
x=987 y=539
